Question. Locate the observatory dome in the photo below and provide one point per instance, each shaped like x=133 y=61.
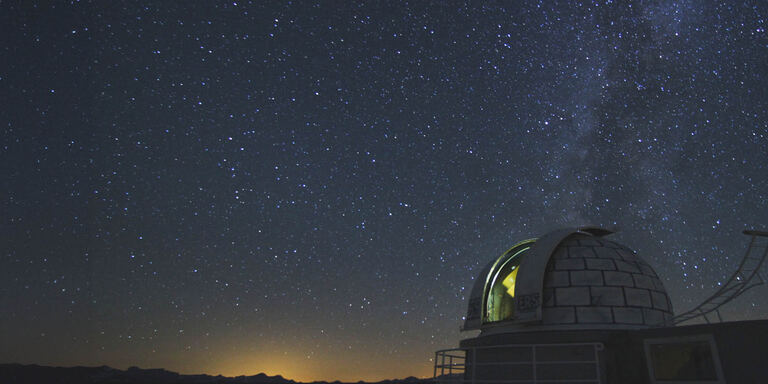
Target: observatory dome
x=570 y=278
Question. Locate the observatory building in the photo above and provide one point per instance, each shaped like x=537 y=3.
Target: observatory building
x=575 y=307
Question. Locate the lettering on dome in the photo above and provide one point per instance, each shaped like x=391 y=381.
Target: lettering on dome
x=528 y=302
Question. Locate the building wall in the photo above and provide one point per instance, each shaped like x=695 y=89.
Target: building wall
x=742 y=348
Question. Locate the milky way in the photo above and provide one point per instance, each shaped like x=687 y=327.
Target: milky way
x=310 y=188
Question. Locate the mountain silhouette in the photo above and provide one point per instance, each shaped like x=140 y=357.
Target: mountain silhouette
x=37 y=374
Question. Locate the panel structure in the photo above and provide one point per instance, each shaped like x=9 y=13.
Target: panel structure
x=520 y=363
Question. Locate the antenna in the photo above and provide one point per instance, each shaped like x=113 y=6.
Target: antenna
x=746 y=277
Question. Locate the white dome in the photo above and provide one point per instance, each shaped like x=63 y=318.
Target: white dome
x=590 y=280
x=570 y=278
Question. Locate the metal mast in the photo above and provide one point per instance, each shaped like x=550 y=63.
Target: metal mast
x=746 y=277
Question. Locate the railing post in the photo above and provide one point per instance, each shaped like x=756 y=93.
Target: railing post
x=533 y=363
x=442 y=364
x=474 y=364
x=597 y=364
x=434 y=367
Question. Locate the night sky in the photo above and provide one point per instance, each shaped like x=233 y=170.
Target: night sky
x=309 y=189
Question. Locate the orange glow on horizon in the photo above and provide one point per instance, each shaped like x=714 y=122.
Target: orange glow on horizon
x=340 y=356
x=331 y=368
x=345 y=367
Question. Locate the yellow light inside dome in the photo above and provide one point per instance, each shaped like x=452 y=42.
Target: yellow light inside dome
x=509 y=282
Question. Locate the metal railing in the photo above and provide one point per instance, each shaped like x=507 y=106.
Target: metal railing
x=450 y=363
x=462 y=366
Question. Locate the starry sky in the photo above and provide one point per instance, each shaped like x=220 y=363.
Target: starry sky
x=309 y=188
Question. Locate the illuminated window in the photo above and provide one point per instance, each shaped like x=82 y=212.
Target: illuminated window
x=500 y=286
x=691 y=359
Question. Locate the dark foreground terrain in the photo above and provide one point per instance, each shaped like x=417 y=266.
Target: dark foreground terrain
x=36 y=374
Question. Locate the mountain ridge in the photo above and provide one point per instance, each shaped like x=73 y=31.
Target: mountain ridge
x=39 y=374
